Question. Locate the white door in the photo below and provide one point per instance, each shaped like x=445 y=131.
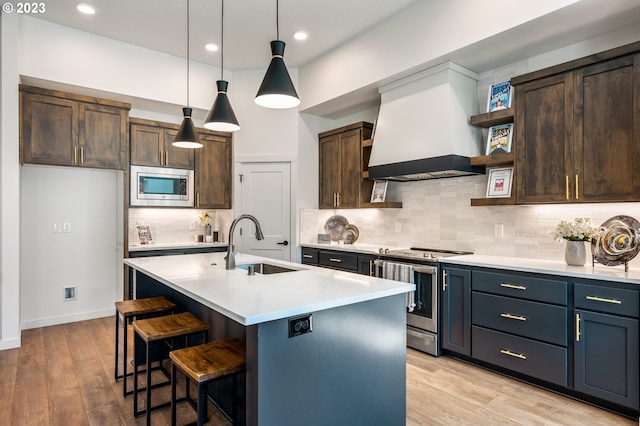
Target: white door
x=266 y=194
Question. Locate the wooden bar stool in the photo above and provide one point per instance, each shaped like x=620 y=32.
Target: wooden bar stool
x=204 y=364
x=163 y=329
x=130 y=309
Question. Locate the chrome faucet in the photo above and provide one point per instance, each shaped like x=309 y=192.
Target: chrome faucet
x=231 y=255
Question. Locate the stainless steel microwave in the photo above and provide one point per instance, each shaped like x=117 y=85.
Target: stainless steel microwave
x=161 y=186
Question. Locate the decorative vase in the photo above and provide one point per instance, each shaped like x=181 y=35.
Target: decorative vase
x=207 y=229
x=575 y=253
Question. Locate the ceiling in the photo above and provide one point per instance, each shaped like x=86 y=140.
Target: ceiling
x=249 y=26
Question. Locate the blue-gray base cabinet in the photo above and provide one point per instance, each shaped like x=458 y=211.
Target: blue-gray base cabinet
x=339 y=259
x=575 y=336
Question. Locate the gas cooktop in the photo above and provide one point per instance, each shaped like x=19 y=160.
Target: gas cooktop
x=420 y=254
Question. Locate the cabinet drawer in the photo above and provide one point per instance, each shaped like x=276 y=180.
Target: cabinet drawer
x=615 y=301
x=540 y=360
x=309 y=256
x=539 y=321
x=521 y=286
x=335 y=260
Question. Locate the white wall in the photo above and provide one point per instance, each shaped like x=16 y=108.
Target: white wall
x=10 y=183
x=85 y=257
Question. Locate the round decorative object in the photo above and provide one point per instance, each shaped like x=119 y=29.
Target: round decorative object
x=334 y=226
x=575 y=253
x=350 y=234
x=618 y=241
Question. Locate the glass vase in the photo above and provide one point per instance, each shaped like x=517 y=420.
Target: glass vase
x=575 y=253
x=207 y=229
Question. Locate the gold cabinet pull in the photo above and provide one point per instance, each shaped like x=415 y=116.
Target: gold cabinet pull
x=513 y=286
x=338 y=194
x=75 y=154
x=513 y=354
x=333 y=259
x=605 y=300
x=371 y=268
x=307 y=256
x=513 y=317
x=197 y=199
x=577 y=186
x=161 y=157
x=577 y=327
x=82 y=155
x=335 y=199
x=444 y=280
x=166 y=158
x=566 y=186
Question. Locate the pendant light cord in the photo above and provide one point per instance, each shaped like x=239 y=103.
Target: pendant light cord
x=188 y=15
x=277 y=20
x=222 y=43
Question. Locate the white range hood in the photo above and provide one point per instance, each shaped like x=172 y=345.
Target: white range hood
x=423 y=129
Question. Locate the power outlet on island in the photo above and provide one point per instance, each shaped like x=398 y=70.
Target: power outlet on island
x=299 y=326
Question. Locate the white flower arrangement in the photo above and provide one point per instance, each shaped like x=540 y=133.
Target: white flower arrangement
x=580 y=229
x=205 y=217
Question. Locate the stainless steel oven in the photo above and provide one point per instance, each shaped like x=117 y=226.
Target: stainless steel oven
x=418 y=266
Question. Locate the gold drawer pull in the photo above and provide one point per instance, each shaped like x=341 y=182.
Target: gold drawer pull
x=444 y=280
x=333 y=259
x=513 y=286
x=566 y=185
x=513 y=354
x=602 y=299
x=307 y=256
x=514 y=317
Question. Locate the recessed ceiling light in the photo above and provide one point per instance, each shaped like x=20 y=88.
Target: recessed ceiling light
x=86 y=8
x=300 y=35
x=211 y=47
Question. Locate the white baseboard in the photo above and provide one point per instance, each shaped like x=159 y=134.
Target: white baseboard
x=9 y=343
x=64 y=319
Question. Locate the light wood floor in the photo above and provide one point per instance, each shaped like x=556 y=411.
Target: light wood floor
x=63 y=375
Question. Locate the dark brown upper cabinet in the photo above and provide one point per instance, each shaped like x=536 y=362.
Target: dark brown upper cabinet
x=64 y=129
x=151 y=145
x=577 y=134
x=213 y=165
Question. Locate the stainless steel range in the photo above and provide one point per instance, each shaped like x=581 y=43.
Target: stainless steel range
x=418 y=266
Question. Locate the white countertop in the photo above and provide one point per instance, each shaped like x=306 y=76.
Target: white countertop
x=260 y=298
x=169 y=246
x=599 y=271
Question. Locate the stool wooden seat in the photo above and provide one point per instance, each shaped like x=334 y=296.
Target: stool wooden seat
x=158 y=330
x=204 y=364
x=129 y=309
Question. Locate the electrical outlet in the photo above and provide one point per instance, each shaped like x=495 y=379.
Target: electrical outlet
x=70 y=293
x=66 y=227
x=299 y=325
x=192 y=225
x=499 y=230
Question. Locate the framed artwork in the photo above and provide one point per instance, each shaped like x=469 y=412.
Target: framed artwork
x=379 y=192
x=144 y=233
x=499 y=184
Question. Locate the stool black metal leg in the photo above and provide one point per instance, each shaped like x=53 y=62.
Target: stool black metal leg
x=149 y=384
x=173 y=394
x=234 y=390
x=135 y=378
x=124 y=356
x=202 y=389
x=115 y=363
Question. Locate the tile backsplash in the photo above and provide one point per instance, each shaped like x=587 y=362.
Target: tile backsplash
x=173 y=225
x=438 y=214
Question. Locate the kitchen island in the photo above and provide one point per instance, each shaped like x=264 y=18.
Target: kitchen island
x=348 y=369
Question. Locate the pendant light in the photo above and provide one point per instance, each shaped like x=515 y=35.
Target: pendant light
x=221 y=116
x=187 y=137
x=276 y=90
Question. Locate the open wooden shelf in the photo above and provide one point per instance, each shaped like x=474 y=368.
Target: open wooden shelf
x=493 y=160
x=495 y=118
x=367 y=142
x=385 y=205
x=475 y=202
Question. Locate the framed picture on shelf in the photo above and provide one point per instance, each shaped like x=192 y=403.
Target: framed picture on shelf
x=500 y=96
x=144 y=233
x=379 y=192
x=499 y=138
x=499 y=183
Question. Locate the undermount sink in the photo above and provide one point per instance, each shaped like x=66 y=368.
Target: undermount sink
x=266 y=268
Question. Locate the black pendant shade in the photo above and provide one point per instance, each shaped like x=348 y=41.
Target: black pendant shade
x=276 y=90
x=221 y=116
x=187 y=137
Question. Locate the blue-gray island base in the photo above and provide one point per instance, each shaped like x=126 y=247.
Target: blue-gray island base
x=350 y=370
